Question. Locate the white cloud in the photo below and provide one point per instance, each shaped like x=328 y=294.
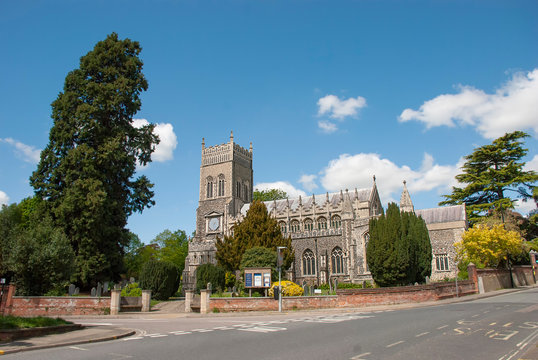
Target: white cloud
x=512 y=107
x=308 y=182
x=282 y=185
x=524 y=207
x=339 y=109
x=4 y=199
x=532 y=165
x=327 y=126
x=164 y=151
x=356 y=171
x=26 y=152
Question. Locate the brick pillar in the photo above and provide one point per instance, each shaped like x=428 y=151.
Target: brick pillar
x=189 y=295
x=473 y=275
x=146 y=300
x=204 y=301
x=115 y=297
x=8 y=302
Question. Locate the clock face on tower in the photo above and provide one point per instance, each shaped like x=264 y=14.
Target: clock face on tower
x=214 y=224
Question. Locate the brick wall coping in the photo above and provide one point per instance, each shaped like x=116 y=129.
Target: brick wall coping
x=401 y=289
x=61 y=297
x=270 y=297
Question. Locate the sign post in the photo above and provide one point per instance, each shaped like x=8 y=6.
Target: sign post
x=279 y=261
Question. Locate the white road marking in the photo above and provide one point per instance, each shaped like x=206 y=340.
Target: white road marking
x=264 y=329
x=475 y=315
x=394 y=344
x=485 y=312
x=503 y=336
x=422 y=334
x=222 y=328
x=507 y=324
x=179 y=332
x=239 y=325
x=359 y=357
x=95 y=324
x=202 y=330
x=78 y=348
x=493 y=323
x=442 y=327
x=133 y=338
x=156 y=335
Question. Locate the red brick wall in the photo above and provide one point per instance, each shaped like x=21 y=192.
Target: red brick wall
x=58 y=305
x=348 y=298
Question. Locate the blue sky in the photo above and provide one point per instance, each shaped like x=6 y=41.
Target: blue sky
x=329 y=92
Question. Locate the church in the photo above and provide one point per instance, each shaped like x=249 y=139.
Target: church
x=329 y=231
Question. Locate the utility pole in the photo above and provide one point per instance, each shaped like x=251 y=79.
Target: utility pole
x=279 y=261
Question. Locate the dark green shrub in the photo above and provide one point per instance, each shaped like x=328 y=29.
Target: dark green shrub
x=349 y=286
x=162 y=278
x=209 y=273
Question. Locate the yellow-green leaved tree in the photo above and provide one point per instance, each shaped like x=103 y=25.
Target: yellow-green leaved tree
x=489 y=246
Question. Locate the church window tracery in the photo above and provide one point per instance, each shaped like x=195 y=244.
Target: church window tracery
x=322 y=223
x=221 y=185
x=309 y=263
x=283 y=227
x=209 y=190
x=308 y=225
x=294 y=226
x=337 y=261
x=336 y=222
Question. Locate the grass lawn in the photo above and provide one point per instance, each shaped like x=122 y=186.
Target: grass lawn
x=16 y=322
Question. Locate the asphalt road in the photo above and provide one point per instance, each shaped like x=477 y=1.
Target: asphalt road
x=501 y=327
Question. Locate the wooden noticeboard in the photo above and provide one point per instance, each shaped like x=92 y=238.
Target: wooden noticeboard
x=257 y=278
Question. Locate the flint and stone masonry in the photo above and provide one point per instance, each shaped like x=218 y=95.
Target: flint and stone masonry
x=329 y=232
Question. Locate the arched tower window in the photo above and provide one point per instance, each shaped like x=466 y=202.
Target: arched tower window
x=336 y=222
x=337 y=261
x=309 y=263
x=322 y=223
x=294 y=226
x=209 y=190
x=283 y=227
x=308 y=225
x=221 y=185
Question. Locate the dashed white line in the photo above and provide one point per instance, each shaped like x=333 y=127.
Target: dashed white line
x=475 y=315
x=156 y=335
x=359 y=357
x=507 y=324
x=180 y=332
x=202 y=330
x=78 y=348
x=422 y=334
x=394 y=344
x=134 y=338
x=442 y=327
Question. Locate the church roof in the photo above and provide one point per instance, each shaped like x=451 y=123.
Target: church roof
x=307 y=201
x=443 y=214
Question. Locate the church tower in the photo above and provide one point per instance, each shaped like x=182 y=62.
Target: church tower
x=226 y=180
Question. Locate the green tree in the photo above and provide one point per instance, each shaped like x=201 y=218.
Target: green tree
x=258 y=228
x=258 y=256
x=210 y=273
x=173 y=247
x=136 y=255
x=489 y=173
x=269 y=194
x=37 y=253
x=399 y=249
x=86 y=172
x=161 y=277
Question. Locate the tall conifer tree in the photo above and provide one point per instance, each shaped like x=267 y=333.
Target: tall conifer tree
x=86 y=172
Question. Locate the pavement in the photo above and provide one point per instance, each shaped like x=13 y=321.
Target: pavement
x=99 y=333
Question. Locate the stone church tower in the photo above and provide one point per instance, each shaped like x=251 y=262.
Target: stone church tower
x=225 y=186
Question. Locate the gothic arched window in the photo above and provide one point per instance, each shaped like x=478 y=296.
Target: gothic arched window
x=308 y=225
x=209 y=192
x=221 y=185
x=294 y=226
x=337 y=261
x=336 y=222
x=283 y=227
x=322 y=223
x=309 y=263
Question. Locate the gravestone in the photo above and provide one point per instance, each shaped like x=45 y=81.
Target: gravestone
x=99 y=289
x=105 y=288
x=208 y=286
x=335 y=284
x=305 y=290
x=132 y=280
x=93 y=292
x=364 y=284
x=76 y=292
x=71 y=290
